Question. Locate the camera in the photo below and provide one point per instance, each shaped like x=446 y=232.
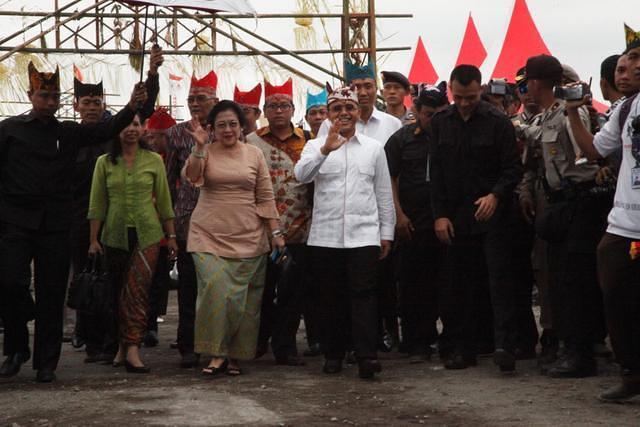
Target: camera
x=572 y=93
x=498 y=87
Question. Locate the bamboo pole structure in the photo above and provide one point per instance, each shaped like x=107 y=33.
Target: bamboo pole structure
x=47 y=31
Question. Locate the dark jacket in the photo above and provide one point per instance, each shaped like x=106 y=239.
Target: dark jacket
x=469 y=160
x=37 y=159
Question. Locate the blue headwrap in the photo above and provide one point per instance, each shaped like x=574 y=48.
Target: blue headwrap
x=316 y=100
x=352 y=72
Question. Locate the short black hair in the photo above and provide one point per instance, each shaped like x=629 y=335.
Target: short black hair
x=608 y=69
x=465 y=74
x=226 y=105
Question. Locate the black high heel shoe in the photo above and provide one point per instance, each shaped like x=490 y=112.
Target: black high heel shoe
x=136 y=369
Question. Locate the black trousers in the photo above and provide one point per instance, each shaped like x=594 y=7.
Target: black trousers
x=187 y=294
x=522 y=236
x=420 y=261
x=466 y=261
x=281 y=311
x=159 y=292
x=95 y=330
x=50 y=253
x=574 y=290
x=620 y=282
x=345 y=295
x=290 y=301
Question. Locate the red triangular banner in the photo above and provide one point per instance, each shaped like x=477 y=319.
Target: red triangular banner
x=472 y=50
x=521 y=42
x=422 y=70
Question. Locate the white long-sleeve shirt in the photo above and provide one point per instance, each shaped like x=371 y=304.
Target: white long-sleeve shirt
x=380 y=126
x=352 y=203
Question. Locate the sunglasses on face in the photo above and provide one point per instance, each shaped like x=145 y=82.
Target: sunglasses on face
x=523 y=89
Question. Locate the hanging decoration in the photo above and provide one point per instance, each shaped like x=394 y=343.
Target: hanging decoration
x=135 y=44
x=305 y=34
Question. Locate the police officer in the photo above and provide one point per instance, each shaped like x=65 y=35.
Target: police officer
x=572 y=222
x=532 y=199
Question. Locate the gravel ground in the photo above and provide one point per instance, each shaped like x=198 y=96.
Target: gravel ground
x=272 y=395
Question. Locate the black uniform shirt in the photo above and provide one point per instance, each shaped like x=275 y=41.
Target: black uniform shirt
x=36 y=167
x=407 y=155
x=469 y=160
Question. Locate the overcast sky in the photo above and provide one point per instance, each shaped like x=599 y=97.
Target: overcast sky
x=580 y=32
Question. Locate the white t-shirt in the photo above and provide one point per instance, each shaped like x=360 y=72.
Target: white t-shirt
x=624 y=218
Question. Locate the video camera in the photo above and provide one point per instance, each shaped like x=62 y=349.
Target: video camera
x=573 y=92
x=498 y=87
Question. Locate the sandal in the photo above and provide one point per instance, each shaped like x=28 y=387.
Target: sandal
x=212 y=371
x=234 y=371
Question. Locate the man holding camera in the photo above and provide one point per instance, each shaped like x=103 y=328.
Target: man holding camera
x=571 y=223
x=619 y=249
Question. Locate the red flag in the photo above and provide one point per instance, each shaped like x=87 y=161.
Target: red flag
x=77 y=73
x=472 y=50
x=521 y=42
x=422 y=70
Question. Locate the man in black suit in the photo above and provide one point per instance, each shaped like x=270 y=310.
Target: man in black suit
x=37 y=155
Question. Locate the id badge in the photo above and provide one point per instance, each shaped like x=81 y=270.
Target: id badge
x=635 y=178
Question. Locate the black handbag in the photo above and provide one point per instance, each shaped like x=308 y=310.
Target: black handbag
x=90 y=289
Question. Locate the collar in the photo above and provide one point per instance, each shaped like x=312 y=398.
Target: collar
x=297 y=132
x=376 y=115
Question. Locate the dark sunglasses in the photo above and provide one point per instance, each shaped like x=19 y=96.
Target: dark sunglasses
x=523 y=89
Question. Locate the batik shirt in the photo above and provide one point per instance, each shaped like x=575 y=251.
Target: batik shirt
x=183 y=194
x=293 y=199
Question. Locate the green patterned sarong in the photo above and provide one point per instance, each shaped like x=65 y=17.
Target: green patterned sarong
x=228 y=304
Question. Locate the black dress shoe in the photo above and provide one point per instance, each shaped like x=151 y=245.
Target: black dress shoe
x=11 y=365
x=629 y=388
x=574 y=366
x=189 y=360
x=136 y=369
x=368 y=367
x=45 y=376
x=93 y=358
x=459 y=361
x=313 y=351
x=173 y=345
x=76 y=341
x=332 y=366
x=505 y=360
x=289 y=361
x=150 y=339
x=351 y=358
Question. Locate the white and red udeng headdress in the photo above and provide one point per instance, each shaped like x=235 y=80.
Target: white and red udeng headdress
x=346 y=93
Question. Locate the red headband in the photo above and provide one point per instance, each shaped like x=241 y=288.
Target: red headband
x=250 y=98
x=286 y=89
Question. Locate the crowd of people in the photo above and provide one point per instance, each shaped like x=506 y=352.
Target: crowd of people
x=372 y=222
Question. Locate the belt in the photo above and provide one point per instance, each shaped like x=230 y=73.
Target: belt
x=574 y=191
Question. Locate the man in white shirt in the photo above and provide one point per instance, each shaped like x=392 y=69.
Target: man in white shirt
x=619 y=249
x=352 y=228
x=372 y=122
